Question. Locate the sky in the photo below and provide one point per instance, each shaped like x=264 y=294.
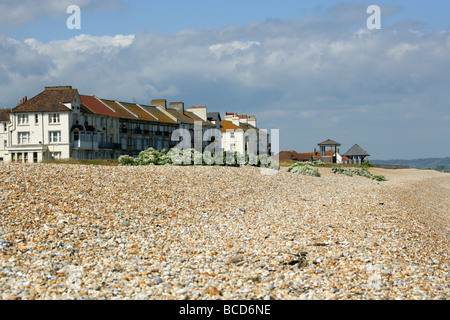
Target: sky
x=311 y=69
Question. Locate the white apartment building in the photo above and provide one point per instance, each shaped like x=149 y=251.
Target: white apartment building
x=59 y=123
x=4 y=124
x=240 y=133
x=40 y=127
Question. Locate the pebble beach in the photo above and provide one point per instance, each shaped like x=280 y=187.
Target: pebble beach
x=206 y=233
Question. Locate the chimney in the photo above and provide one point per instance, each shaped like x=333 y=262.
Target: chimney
x=235 y=119
x=199 y=112
x=228 y=116
x=243 y=119
x=159 y=103
x=252 y=121
x=315 y=151
x=177 y=106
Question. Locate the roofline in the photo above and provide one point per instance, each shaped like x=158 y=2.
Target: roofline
x=147 y=111
x=125 y=108
x=104 y=104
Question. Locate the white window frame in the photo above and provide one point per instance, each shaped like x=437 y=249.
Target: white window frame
x=54 y=136
x=22 y=119
x=36 y=119
x=23 y=138
x=55 y=155
x=54 y=118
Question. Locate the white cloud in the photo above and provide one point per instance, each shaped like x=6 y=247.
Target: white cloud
x=299 y=74
x=20 y=12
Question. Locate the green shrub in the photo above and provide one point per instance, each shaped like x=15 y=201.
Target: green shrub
x=191 y=157
x=363 y=173
x=304 y=169
x=127 y=161
x=344 y=171
x=379 y=178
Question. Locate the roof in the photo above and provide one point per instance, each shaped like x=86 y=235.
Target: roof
x=356 y=150
x=196 y=118
x=119 y=110
x=307 y=156
x=160 y=116
x=140 y=113
x=228 y=125
x=4 y=114
x=329 y=142
x=180 y=116
x=214 y=116
x=50 y=100
x=95 y=105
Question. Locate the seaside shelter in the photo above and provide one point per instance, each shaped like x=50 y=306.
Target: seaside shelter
x=356 y=154
x=323 y=152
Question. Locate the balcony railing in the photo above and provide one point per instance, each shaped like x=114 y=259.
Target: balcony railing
x=109 y=145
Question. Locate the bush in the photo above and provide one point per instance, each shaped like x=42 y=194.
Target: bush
x=319 y=164
x=363 y=173
x=304 y=169
x=344 y=171
x=191 y=157
x=127 y=161
x=379 y=178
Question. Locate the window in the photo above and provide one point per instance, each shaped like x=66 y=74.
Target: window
x=55 y=155
x=24 y=137
x=36 y=119
x=54 y=118
x=76 y=136
x=231 y=134
x=233 y=147
x=55 y=136
x=23 y=119
x=5 y=127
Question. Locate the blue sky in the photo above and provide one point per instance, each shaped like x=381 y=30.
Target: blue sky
x=309 y=68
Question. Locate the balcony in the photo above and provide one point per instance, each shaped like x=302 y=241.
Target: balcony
x=109 y=146
x=81 y=144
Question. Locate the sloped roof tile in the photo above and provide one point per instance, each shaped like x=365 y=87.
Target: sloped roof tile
x=96 y=106
x=329 y=142
x=356 y=150
x=48 y=101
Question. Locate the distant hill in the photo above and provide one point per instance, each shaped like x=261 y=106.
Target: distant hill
x=428 y=163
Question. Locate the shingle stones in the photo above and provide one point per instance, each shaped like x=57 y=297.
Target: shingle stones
x=91 y=232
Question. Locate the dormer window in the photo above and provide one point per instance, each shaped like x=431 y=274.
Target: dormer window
x=54 y=118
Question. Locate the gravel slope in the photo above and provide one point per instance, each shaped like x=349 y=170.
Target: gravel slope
x=89 y=232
